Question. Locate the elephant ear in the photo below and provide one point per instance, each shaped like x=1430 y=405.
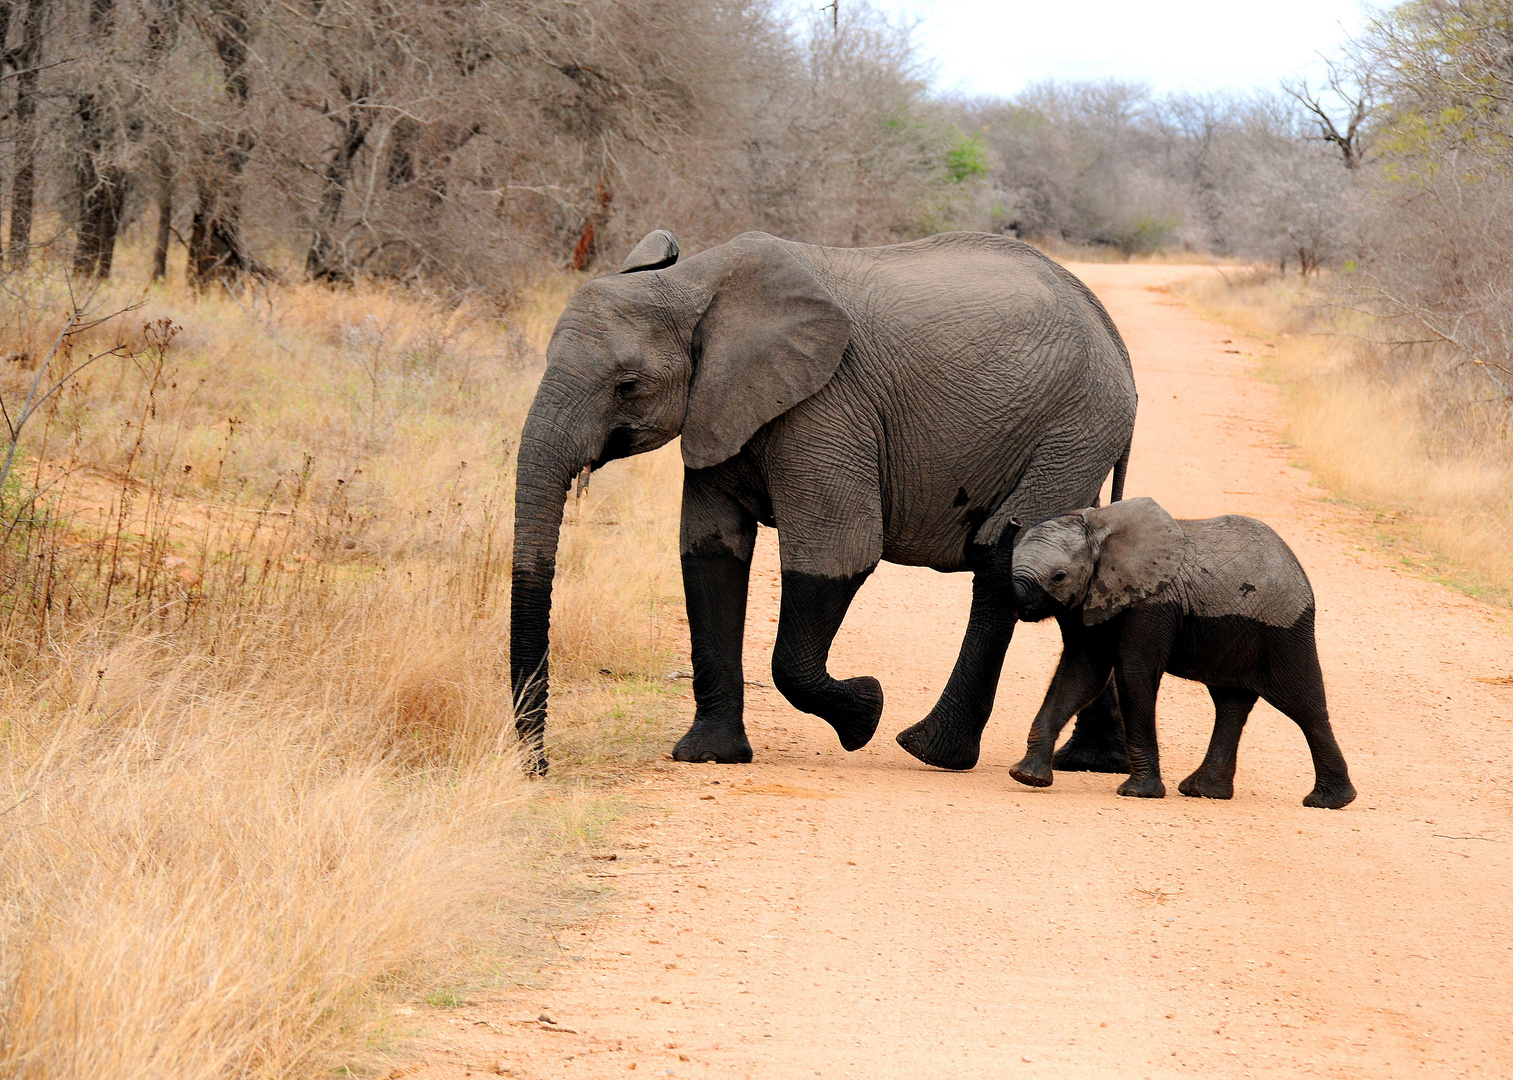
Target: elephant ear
x=771 y=336
x=1137 y=548
x=657 y=250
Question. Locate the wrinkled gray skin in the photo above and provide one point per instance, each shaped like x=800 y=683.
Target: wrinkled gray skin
x=1223 y=601
x=896 y=403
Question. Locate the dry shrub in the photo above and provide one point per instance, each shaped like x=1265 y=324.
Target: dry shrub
x=1375 y=430
x=259 y=773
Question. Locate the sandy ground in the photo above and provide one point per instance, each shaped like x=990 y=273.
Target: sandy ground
x=820 y=913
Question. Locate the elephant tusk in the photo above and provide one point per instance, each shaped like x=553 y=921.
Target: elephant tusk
x=583 y=482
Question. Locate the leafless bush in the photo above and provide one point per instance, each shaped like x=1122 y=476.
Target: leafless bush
x=1111 y=164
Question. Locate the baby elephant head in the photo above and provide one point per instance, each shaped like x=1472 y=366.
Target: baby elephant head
x=1099 y=560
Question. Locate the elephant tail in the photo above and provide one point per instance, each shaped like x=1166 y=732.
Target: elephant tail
x=1116 y=489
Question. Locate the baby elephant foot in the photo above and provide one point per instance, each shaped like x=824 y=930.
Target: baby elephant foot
x=855 y=719
x=1207 y=785
x=944 y=740
x=1033 y=771
x=1097 y=742
x=1330 y=796
x=1084 y=758
x=1143 y=787
x=710 y=740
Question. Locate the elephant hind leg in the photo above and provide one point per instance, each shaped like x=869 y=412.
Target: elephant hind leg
x=950 y=737
x=1297 y=691
x=813 y=607
x=1097 y=742
x=1215 y=778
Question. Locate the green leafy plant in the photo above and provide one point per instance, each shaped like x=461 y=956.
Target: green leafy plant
x=966 y=157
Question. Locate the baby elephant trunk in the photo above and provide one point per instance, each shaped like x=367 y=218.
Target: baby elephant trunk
x=1031 y=603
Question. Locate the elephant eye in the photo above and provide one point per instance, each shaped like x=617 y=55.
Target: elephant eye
x=1059 y=576
x=627 y=383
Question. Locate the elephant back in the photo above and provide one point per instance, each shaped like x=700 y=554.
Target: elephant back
x=1238 y=566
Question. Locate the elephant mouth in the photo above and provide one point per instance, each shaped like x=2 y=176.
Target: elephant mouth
x=627 y=441
x=1031 y=602
x=620 y=444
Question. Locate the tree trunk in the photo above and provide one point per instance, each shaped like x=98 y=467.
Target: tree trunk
x=162 y=36
x=404 y=148
x=101 y=185
x=7 y=9
x=352 y=133
x=102 y=194
x=216 y=251
x=24 y=187
x=162 y=168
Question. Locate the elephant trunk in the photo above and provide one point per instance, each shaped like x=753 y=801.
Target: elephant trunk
x=547 y=464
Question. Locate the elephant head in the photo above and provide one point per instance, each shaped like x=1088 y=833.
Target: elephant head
x=710 y=348
x=1100 y=560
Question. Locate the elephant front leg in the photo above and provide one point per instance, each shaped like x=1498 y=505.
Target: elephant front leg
x=1137 y=695
x=951 y=736
x=715 y=589
x=718 y=539
x=1079 y=675
x=813 y=608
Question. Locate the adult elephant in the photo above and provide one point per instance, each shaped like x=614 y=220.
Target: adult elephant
x=903 y=403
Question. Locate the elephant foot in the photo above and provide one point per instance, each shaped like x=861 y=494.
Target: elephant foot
x=943 y=741
x=1143 y=787
x=1204 y=785
x=1091 y=755
x=1097 y=742
x=708 y=740
x=1330 y=796
x=1033 y=772
x=856 y=715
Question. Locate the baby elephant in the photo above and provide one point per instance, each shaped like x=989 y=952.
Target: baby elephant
x=1222 y=601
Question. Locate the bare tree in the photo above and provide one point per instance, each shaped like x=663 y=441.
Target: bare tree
x=1349 y=134
x=460 y=143
x=216 y=249
x=99 y=178
x=27 y=61
x=161 y=39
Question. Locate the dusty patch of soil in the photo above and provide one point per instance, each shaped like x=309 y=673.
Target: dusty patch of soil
x=832 y=914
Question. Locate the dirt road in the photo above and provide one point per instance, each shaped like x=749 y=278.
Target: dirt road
x=828 y=914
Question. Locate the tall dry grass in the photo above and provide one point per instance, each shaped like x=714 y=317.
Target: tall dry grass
x=258 y=775
x=1377 y=431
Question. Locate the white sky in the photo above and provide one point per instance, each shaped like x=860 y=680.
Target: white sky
x=997 y=46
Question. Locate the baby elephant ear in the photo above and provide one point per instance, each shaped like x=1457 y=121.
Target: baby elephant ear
x=657 y=250
x=1137 y=549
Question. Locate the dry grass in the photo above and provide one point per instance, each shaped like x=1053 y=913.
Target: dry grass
x=1370 y=432
x=258 y=774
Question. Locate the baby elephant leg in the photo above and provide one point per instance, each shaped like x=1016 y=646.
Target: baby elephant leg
x=1137 y=696
x=1078 y=679
x=1298 y=693
x=1215 y=778
x=1097 y=742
